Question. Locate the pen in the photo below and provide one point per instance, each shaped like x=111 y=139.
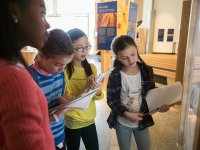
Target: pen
x=151 y=112
x=157 y=109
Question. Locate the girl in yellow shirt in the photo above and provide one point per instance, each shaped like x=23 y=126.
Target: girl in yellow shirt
x=80 y=77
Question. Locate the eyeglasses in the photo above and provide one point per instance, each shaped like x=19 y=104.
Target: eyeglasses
x=81 y=49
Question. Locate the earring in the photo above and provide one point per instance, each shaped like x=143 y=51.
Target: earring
x=16 y=20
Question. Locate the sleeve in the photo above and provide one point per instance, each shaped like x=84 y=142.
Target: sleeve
x=22 y=116
x=99 y=97
x=151 y=75
x=113 y=100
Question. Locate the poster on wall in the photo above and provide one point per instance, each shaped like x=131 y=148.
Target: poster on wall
x=170 y=35
x=132 y=20
x=161 y=35
x=107 y=23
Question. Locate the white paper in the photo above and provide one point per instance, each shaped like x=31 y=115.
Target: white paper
x=102 y=76
x=81 y=102
x=165 y=95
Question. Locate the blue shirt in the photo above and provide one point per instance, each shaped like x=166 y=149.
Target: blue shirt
x=53 y=88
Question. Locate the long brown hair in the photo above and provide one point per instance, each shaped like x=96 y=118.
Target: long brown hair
x=119 y=44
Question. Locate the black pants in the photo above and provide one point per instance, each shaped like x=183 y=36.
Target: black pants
x=88 y=135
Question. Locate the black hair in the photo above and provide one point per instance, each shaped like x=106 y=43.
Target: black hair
x=75 y=34
x=119 y=44
x=59 y=43
x=9 y=47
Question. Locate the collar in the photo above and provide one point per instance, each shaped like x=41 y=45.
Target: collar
x=40 y=70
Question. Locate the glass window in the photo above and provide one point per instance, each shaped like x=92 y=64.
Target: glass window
x=50 y=6
x=74 y=6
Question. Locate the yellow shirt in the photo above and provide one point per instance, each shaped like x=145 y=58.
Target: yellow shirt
x=78 y=118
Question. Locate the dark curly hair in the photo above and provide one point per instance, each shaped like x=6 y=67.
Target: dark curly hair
x=9 y=48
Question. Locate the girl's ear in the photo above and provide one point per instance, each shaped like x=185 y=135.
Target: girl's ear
x=14 y=12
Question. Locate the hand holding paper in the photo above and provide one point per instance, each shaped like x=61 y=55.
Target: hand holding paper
x=164 y=108
x=166 y=95
x=64 y=99
x=102 y=76
x=97 y=83
x=81 y=102
x=92 y=83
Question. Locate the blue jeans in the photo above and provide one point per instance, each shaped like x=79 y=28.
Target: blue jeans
x=142 y=137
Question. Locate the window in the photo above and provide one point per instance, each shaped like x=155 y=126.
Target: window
x=66 y=15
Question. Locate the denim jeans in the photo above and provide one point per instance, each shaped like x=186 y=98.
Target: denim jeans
x=142 y=137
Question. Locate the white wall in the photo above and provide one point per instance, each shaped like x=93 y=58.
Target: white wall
x=147 y=9
x=147 y=22
x=167 y=16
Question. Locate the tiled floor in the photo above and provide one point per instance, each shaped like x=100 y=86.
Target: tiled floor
x=163 y=134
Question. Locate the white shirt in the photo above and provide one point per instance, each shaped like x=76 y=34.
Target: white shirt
x=130 y=96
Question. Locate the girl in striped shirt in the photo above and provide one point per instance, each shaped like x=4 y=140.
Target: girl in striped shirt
x=47 y=71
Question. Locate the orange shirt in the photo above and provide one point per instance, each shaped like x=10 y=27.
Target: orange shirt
x=24 y=121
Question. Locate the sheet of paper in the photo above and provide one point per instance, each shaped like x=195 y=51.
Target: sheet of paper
x=169 y=94
x=81 y=102
x=102 y=76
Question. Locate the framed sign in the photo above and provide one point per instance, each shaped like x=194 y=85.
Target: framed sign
x=132 y=20
x=161 y=35
x=170 y=35
x=107 y=23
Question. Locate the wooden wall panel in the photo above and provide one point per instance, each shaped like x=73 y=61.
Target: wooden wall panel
x=183 y=40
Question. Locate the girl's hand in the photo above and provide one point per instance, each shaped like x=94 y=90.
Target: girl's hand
x=134 y=117
x=92 y=82
x=59 y=114
x=62 y=112
x=164 y=108
x=65 y=99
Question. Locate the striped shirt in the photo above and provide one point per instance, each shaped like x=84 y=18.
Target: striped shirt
x=53 y=88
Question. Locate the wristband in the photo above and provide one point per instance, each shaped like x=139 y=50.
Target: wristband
x=55 y=117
